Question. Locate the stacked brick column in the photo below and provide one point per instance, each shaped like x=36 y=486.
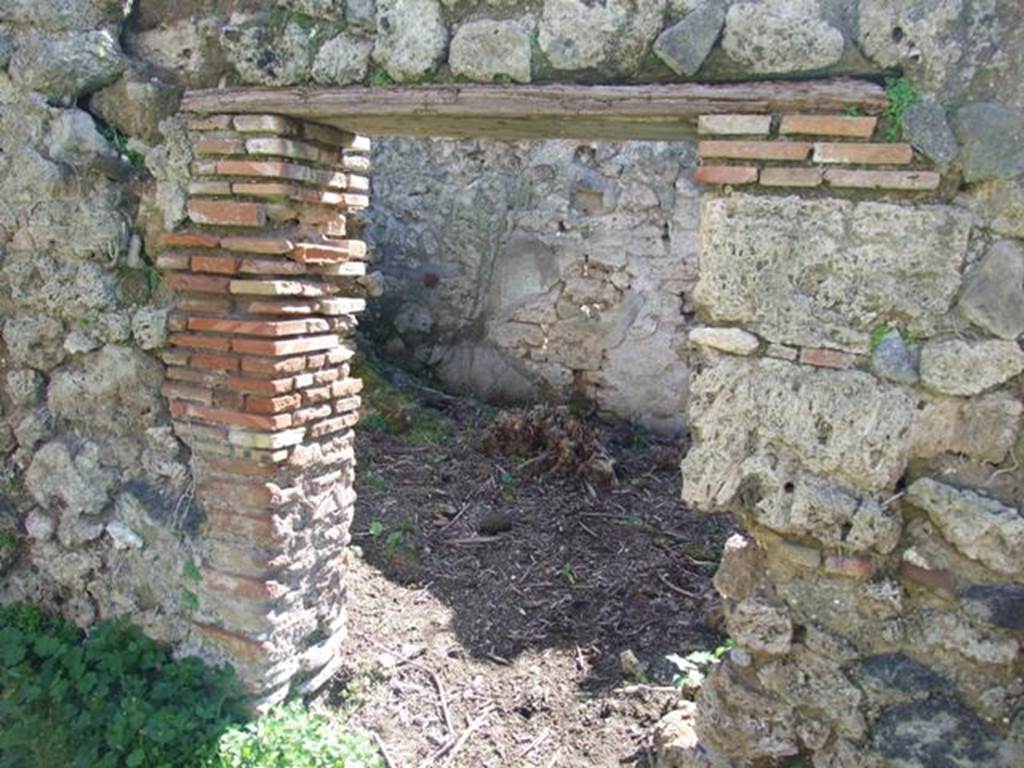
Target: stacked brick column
x=266 y=278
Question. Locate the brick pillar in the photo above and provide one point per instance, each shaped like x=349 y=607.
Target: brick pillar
x=266 y=280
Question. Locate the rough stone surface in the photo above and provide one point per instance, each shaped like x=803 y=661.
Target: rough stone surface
x=935 y=732
x=959 y=50
x=77 y=482
x=112 y=391
x=63 y=15
x=342 y=60
x=136 y=104
x=999 y=203
x=67 y=65
x=980 y=527
x=958 y=367
x=925 y=126
x=485 y=50
x=826 y=273
x=992 y=136
x=612 y=36
x=411 y=38
x=993 y=295
x=732 y=340
x=983 y=428
x=685 y=45
x=894 y=359
x=750 y=414
x=265 y=57
x=779 y=36
x=1001 y=605
x=35 y=341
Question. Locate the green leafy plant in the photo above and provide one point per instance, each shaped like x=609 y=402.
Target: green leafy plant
x=376 y=528
x=901 y=96
x=8 y=539
x=692 y=668
x=379 y=79
x=568 y=574
x=119 y=142
x=291 y=737
x=852 y=111
x=191 y=571
x=109 y=699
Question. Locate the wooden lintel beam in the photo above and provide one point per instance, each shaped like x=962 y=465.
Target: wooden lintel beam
x=510 y=111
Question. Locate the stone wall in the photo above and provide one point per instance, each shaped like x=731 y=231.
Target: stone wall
x=539 y=270
x=857 y=405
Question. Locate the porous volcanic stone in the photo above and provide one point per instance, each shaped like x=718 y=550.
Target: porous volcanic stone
x=981 y=528
x=958 y=367
x=826 y=273
x=781 y=36
x=484 y=50
x=993 y=296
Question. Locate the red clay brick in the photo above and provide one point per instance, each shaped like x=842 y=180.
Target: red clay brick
x=272 y=267
x=256 y=404
x=273 y=366
x=203 y=167
x=229 y=399
x=346 y=387
x=340 y=355
x=214 y=362
x=827 y=358
x=329 y=253
x=314 y=395
x=192 y=432
x=170 y=262
x=179 y=391
x=266 y=124
x=790 y=177
x=863 y=154
x=221 y=265
x=314 y=413
x=735 y=125
x=209 y=123
x=261 y=386
x=937 y=579
x=333 y=425
x=209 y=379
x=239 y=419
x=252 y=530
x=200 y=283
x=220 y=188
x=347 y=404
x=226 y=213
x=861 y=568
x=264 y=245
x=251 y=327
x=725 y=174
x=273 y=145
x=280 y=347
x=265 y=189
x=755 y=150
x=910 y=181
x=242 y=587
x=267 y=168
x=202 y=303
x=356 y=202
x=829 y=125
x=213 y=145
x=188 y=240
x=326 y=377
x=197 y=341
x=237 y=646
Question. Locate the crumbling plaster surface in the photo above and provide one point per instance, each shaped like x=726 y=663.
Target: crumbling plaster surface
x=542 y=270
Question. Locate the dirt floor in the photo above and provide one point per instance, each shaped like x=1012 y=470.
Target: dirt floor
x=490 y=602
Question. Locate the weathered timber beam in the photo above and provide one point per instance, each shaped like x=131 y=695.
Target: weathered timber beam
x=584 y=111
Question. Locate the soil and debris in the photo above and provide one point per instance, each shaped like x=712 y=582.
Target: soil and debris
x=517 y=581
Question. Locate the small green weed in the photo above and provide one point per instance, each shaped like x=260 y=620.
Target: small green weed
x=191 y=571
x=568 y=574
x=879 y=333
x=852 y=111
x=376 y=528
x=119 y=142
x=693 y=667
x=8 y=539
x=376 y=482
x=901 y=96
x=380 y=79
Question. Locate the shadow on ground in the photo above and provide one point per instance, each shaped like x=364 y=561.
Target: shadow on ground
x=490 y=585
